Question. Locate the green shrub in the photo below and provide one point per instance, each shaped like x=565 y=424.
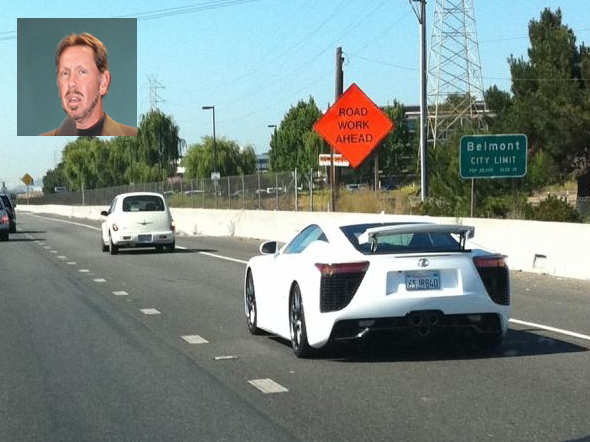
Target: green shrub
x=553 y=209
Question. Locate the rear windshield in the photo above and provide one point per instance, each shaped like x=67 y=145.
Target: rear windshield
x=143 y=203
x=401 y=242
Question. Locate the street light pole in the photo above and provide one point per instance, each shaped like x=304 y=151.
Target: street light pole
x=215 y=165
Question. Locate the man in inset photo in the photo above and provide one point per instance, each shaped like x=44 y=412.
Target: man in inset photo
x=83 y=80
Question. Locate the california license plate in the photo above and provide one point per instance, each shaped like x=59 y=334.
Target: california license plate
x=426 y=280
x=144 y=238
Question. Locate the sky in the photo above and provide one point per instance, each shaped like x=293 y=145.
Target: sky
x=254 y=59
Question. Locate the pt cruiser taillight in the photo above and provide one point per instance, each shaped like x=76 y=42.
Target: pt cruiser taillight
x=172 y=226
x=493 y=272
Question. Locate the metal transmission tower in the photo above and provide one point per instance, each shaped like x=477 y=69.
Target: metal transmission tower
x=455 y=87
x=155 y=98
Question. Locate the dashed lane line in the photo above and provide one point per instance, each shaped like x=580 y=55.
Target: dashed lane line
x=120 y=293
x=194 y=339
x=150 y=311
x=268 y=386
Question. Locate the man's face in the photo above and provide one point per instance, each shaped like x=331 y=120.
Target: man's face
x=81 y=85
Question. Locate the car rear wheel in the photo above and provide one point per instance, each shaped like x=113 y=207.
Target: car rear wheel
x=113 y=249
x=299 y=343
x=4 y=236
x=171 y=247
x=13 y=228
x=251 y=309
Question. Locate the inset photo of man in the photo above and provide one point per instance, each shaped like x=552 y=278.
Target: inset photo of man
x=94 y=70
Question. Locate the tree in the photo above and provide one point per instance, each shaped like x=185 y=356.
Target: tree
x=551 y=95
x=294 y=144
x=55 y=178
x=232 y=159
x=158 y=142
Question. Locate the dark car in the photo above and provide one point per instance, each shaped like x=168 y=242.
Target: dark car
x=9 y=207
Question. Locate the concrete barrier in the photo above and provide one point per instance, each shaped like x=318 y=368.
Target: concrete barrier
x=560 y=249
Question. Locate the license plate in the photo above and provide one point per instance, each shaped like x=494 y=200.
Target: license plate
x=427 y=280
x=144 y=238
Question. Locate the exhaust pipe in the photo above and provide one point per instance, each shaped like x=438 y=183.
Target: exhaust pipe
x=424 y=331
x=416 y=320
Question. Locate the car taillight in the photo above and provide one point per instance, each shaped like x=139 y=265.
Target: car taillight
x=172 y=226
x=4 y=219
x=494 y=275
x=346 y=267
x=115 y=227
x=339 y=283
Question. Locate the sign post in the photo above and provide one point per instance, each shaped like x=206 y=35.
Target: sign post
x=27 y=180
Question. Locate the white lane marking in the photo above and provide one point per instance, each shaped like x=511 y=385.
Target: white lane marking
x=225 y=358
x=227 y=258
x=46 y=247
x=62 y=257
x=99 y=280
x=552 y=329
x=149 y=311
x=120 y=293
x=72 y=263
x=267 y=386
x=84 y=270
x=53 y=251
x=194 y=339
x=64 y=221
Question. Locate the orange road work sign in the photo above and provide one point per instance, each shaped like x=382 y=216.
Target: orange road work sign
x=354 y=125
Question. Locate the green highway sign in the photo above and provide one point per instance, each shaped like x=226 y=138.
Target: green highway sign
x=493 y=156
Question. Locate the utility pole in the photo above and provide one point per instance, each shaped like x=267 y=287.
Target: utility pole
x=338 y=92
x=421 y=15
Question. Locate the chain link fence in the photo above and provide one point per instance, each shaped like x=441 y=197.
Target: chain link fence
x=308 y=191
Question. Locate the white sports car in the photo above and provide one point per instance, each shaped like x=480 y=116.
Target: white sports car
x=337 y=282
x=138 y=219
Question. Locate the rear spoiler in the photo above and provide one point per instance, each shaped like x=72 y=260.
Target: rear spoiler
x=370 y=235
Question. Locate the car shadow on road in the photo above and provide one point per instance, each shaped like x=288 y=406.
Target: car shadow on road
x=31 y=231
x=151 y=251
x=517 y=343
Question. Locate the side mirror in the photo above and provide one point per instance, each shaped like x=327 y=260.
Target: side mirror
x=104 y=213
x=268 y=248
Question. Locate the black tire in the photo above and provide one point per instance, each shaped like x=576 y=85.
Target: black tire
x=159 y=248
x=250 y=302
x=13 y=228
x=297 y=328
x=113 y=249
x=171 y=247
x=4 y=236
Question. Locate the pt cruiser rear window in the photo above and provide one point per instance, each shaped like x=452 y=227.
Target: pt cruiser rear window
x=143 y=203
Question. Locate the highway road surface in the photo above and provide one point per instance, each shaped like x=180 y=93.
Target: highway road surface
x=146 y=346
